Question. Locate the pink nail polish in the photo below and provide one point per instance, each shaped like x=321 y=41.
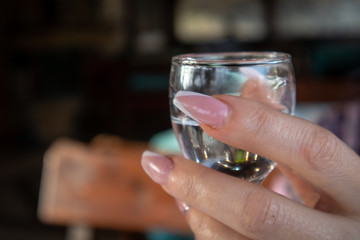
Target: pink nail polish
x=157 y=167
x=202 y=108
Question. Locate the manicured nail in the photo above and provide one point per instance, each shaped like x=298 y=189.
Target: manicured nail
x=202 y=108
x=157 y=167
x=183 y=207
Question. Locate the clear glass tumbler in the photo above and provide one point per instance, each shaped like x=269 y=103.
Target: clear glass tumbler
x=267 y=77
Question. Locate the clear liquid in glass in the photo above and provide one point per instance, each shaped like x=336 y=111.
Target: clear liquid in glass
x=200 y=147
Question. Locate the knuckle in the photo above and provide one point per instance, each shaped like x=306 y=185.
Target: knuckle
x=261 y=214
x=191 y=189
x=319 y=148
x=258 y=121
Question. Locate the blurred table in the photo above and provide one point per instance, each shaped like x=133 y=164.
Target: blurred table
x=103 y=185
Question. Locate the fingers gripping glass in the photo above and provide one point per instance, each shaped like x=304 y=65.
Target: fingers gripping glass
x=265 y=77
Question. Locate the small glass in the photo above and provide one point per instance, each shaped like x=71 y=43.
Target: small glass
x=267 y=77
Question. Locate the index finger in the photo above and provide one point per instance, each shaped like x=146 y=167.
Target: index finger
x=310 y=150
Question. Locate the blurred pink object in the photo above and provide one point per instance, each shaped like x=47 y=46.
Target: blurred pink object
x=103 y=185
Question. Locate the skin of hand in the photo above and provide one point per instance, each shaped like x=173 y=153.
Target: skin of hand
x=323 y=170
x=257 y=88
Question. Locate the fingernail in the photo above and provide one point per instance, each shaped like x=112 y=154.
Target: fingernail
x=183 y=207
x=202 y=108
x=157 y=167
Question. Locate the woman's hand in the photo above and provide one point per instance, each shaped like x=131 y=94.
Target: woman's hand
x=324 y=170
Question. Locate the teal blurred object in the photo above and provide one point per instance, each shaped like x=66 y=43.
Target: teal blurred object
x=335 y=59
x=149 y=82
x=165 y=142
x=165 y=235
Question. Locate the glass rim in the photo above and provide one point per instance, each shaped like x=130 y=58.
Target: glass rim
x=232 y=58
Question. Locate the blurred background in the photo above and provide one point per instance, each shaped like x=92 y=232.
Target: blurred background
x=81 y=68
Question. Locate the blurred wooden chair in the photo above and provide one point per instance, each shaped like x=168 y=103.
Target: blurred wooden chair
x=102 y=185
